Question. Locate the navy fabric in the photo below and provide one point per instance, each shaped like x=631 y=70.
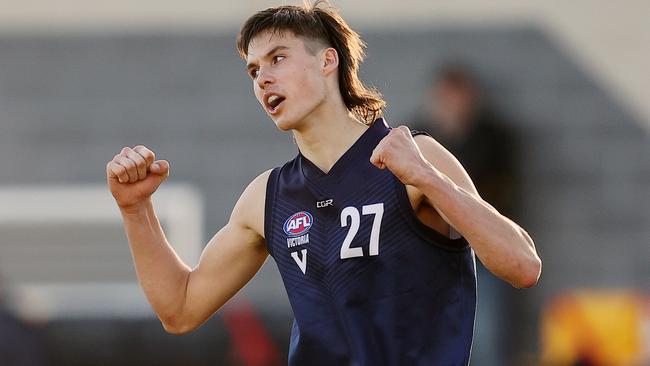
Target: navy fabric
x=411 y=303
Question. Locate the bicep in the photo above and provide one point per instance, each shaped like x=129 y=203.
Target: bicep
x=232 y=257
x=447 y=164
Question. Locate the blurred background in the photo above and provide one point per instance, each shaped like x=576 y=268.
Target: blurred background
x=547 y=105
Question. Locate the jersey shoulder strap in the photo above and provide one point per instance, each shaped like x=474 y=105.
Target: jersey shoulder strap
x=420 y=132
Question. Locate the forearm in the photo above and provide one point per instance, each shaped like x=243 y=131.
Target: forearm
x=161 y=273
x=502 y=245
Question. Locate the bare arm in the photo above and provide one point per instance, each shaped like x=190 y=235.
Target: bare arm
x=184 y=298
x=503 y=246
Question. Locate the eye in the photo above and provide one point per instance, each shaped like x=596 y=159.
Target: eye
x=253 y=73
x=277 y=58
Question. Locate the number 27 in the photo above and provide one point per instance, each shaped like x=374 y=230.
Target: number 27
x=353 y=213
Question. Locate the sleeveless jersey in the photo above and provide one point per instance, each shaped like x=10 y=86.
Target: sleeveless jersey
x=369 y=284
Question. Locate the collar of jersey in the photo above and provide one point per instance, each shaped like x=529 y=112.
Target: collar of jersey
x=372 y=135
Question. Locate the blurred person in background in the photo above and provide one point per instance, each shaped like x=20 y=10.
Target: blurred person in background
x=20 y=345
x=373 y=228
x=457 y=114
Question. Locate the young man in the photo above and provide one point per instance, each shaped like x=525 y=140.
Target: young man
x=362 y=224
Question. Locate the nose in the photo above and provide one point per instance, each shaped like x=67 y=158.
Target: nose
x=264 y=77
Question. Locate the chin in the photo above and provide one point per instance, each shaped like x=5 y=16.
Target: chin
x=285 y=124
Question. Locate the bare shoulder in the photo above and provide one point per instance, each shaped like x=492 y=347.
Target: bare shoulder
x=249 y=209
x=444 y=161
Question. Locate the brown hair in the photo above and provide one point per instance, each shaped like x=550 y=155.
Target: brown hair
x=326 y=26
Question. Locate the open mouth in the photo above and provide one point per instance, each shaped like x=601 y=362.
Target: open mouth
x=273 y=102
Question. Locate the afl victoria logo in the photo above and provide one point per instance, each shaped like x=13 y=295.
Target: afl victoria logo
x=298 y=223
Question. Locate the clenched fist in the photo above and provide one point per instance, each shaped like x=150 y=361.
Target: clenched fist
x=134 y=175
x=398 y=152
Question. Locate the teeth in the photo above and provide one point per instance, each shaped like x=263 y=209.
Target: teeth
x=272 y=99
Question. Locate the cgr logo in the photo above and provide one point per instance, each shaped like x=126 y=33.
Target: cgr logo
x=298 y=223
x=325 y=203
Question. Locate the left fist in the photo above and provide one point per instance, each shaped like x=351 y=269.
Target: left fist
x=398 y=152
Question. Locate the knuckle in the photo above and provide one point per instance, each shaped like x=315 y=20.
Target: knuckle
x=128 y=163
x=117 y=170
x=137 y=158
x=145 y=153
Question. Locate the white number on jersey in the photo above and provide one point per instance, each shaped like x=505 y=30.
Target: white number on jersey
x=376 y=209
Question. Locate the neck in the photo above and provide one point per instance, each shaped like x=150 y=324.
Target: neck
x=327 y=134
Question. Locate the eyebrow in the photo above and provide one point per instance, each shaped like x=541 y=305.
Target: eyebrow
x=273 y=50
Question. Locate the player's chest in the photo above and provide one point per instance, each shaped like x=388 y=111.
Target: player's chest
x=319 y=231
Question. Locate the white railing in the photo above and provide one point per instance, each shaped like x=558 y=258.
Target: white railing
x=64 y=254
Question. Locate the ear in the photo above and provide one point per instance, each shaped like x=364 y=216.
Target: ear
x=330 y=60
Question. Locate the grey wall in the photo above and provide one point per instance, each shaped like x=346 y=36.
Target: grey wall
x=67 y=105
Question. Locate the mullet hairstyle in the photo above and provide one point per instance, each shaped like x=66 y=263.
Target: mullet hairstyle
x=323 y=25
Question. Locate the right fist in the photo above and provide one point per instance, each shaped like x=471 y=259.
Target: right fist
x=134 y=175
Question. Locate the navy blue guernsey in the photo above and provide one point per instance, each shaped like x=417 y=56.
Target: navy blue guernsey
x=368 y=283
